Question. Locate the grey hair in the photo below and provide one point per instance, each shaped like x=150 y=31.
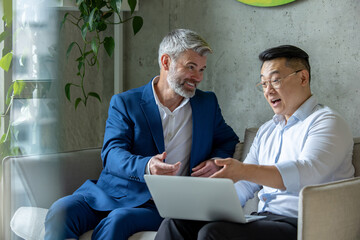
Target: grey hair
x=181 y=40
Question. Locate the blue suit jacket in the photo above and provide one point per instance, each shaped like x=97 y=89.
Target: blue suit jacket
x=134 y=134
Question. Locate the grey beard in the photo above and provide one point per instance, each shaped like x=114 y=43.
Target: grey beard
x=178 y=88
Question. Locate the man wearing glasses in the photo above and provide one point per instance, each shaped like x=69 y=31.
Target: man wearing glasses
x=305 y=143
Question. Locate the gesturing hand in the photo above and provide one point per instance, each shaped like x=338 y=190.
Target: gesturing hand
x=158 y=167
x=231 y=168
x=205 y=169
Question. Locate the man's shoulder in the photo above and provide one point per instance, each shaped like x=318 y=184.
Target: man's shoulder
x=325 y=112
x=200 y=94
x=134 y=93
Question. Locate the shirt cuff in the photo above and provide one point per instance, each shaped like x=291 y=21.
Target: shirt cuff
x=290 y=176
x=240 y=190
x=147 y=169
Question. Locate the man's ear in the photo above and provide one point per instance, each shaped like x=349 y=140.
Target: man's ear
x=165 y=62
x=304 y=77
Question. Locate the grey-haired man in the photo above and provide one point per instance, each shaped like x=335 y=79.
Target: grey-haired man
x=166 y=127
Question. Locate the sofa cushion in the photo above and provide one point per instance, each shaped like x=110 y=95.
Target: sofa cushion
x=28 y=223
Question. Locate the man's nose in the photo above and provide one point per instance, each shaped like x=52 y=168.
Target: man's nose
x=198 y=76
x=268 y=88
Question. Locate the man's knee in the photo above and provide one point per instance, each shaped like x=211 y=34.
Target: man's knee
x=64 y=208
x=210 y=231
x=61 y=218
x=120 y=224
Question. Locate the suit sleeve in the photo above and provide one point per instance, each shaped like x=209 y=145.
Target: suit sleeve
x=118 y=142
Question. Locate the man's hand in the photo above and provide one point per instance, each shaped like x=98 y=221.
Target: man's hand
x=260 y=174
x=158 y=167
x=205 y=169
x=231 y=168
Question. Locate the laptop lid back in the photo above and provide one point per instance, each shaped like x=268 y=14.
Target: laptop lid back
x=194 y=198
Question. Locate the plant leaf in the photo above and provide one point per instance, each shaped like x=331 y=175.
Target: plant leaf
x=91 y=19
x=67 y=91
x=116 y=5
x=101 y=26
x=63 y=21
x=132 y=4
x=5 y=61
x=19 y=86
x=3 y=137
x=108 y=14
x=95 y=95
x=69 y=49
x=80 y=66
x=4 y=35
x=78 y=2
x=78 y=100
x=94 y=46
x=8 y=94
x=137 y=24
x=84 y=31
x=109 y=45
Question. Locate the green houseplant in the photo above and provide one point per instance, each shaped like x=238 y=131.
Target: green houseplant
x=21 y=90
x=17 y=86
x=95 y=17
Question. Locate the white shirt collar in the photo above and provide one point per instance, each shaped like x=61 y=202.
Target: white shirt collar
x=301 y=113
x=183 y=102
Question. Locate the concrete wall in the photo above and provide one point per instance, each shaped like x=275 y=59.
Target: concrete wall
x=85 y=126
x=328 y=30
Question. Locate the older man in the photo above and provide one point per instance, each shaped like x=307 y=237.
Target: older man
x=165 y=127
x=305 y=143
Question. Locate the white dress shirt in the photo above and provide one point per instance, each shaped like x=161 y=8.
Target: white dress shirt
x=313 y=147
x=177 y=129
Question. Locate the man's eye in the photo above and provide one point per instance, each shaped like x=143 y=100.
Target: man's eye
x=276 y=80
x=264 y=84
x=191 y=67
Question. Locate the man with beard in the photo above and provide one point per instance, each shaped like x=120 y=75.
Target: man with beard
x=167 y=127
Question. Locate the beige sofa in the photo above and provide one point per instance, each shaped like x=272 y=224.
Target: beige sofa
x=32 y=183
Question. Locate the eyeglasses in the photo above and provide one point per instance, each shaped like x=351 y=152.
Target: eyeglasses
x=275 y=83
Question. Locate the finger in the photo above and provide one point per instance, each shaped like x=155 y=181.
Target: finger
x=200 y=171
x=201 y=165
x=167 y=169
x=167 y=166
x=218 y=174
x=203 y=174
x=222 y=162
x=161 y=156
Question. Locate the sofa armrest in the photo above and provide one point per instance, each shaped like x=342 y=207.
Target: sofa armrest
x=330 y=211
x=39 y=180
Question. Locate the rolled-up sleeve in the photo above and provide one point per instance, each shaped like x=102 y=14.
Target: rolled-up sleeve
x=325 y=155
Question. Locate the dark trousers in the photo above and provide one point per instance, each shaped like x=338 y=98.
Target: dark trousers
x=71 y=216
x=273 y=227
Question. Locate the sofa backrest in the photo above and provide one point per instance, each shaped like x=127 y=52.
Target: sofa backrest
x=39 y=180
x=356 y=156
x=39 y=176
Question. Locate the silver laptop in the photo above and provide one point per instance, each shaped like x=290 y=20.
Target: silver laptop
x=194 y=198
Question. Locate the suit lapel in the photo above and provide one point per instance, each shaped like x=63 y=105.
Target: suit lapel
x=152 y=115
x=196 y=130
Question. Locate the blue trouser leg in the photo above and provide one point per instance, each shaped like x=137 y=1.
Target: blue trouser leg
x=121 y=223
x=69 y=217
